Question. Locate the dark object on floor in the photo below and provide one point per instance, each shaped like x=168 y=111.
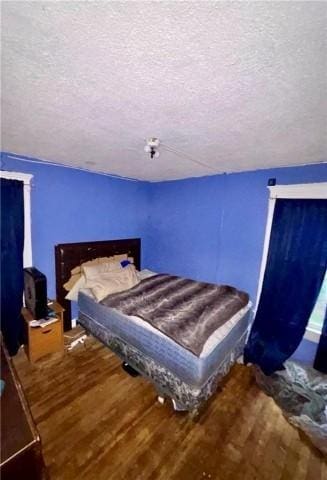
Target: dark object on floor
x=130 y=370
x=21 y=455
x=301 y=393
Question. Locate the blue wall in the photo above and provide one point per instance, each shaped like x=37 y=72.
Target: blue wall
x=212 y=228
x=70 y=205
x=209 y=228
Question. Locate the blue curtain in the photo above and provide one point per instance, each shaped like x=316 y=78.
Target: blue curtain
x=12 y=279
x=320 y=362
x=294 y=274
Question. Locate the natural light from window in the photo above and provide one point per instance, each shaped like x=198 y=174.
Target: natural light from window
x=318 y=313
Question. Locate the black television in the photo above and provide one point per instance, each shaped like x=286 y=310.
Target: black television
x=35 y=292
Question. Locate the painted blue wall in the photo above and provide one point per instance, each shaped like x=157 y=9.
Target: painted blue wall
x=209 y=228
x=212 y=228
x=70 y=205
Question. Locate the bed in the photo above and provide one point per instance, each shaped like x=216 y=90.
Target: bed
x=176 y=373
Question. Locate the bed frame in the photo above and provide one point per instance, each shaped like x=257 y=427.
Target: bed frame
x=70 y=255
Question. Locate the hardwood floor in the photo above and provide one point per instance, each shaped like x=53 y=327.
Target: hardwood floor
x=96 y=422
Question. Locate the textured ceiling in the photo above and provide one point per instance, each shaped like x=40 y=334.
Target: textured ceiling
x=231 y=85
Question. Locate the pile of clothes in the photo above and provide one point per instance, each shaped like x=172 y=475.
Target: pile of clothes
x=301 y=393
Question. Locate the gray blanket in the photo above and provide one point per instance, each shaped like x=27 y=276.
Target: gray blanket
x=185 y=310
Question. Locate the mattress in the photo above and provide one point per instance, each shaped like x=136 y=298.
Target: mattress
x=181 y=362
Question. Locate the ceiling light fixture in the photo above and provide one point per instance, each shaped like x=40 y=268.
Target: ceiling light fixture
x=151 y=147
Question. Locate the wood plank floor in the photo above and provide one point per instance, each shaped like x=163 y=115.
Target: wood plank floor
x=96 y=422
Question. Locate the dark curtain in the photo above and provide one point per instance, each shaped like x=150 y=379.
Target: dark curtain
x=12 y=279
x=320 y=362
x=294 y=274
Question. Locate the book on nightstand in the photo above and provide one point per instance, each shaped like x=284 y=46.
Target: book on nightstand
x=51 y=317
x=43 y=322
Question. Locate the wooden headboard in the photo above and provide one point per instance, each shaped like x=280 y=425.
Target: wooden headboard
x=70 y=255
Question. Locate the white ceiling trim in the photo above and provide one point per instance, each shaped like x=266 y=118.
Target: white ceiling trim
x=54 y=164
x=118 y=177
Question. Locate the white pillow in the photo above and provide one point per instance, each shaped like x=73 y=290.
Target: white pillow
x=73 y=294
x=119 y=258
x=114 y=281
x=93 y=271
x=95 y=261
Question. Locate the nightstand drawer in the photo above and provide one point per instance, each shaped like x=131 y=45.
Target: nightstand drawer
x=41 y=341
x=49 y=334
x=45 y=340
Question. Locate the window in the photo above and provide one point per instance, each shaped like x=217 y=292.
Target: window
x=318 y=313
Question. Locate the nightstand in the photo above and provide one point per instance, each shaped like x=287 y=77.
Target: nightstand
x=41 y=341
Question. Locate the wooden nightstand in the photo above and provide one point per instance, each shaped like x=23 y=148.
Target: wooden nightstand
x=41 y=341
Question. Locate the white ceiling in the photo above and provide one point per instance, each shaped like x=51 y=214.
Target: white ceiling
x=232 y=85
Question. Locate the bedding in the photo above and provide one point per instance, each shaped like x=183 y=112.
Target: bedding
x=145 y=273
x=112 y=281
x=72 y=281
x=76 y=273
x=93 y=271
x=185 y=310
x=175 y=371
x=78 y=269
x=73 y=293
x=81 y=284
x=97 y=312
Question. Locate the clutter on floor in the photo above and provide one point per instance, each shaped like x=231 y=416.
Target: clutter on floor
x=301 y=393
